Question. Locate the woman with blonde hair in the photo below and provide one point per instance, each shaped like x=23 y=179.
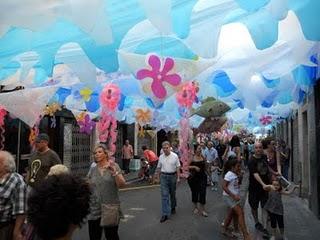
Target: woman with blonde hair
x=105 y=179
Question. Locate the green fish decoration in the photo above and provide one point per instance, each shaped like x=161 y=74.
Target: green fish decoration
x=211 y=107
x=211 y=124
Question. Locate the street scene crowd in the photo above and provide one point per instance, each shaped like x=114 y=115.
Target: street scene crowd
x=51 y=202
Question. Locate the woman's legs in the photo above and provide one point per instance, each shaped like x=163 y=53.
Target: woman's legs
x=242 y=224
x=95 y=231
x=111 y=233
x=228 y=219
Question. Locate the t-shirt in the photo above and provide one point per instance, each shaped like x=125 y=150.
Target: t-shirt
x=39 y=165
x=210 y=154
x=258 y=165
x=233 y=186
x=168 y=164
x=150 y=156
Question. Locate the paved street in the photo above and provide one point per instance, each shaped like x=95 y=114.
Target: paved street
x=142 y=214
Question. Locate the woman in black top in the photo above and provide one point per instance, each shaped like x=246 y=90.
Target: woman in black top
x=198 y=181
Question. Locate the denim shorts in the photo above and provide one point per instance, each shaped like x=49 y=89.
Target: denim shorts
x=230 y=201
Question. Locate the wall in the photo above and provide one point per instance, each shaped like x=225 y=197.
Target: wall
x=301 y=133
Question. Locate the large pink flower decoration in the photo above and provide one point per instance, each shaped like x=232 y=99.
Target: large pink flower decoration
x=110 y=96
x=159 y=75
x=265 y=120
x=187 y=95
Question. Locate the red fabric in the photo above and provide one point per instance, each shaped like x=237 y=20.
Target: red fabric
x=150 y=156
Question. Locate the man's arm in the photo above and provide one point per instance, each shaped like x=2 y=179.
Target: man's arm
x=259 y=180
x=178 y=169
x=17 y=233
x=131 y=151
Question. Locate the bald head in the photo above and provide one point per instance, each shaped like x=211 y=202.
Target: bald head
x=258 y=149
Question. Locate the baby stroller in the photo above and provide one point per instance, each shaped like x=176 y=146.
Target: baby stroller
x=144 y=170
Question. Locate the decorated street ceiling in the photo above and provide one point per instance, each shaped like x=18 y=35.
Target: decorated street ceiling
x=260 y=57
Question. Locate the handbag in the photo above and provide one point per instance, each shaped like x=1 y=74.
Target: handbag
x=110 y=215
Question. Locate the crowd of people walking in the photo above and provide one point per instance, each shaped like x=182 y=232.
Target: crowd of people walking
x=51 y=202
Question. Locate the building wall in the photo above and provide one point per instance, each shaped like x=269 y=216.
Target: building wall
x=301 y=133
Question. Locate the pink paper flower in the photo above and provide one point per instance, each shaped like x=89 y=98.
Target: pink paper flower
x=265 y=120
x=187 y=95
x=159 y=76
x=110 y=96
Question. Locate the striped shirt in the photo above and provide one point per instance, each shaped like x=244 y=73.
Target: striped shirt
x=12 y=197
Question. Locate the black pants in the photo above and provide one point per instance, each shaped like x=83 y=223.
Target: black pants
x=198 y=186
x=125 y=164
x=95 y=231
x=275 y=220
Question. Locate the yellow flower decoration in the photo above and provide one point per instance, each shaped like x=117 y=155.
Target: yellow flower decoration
x=141 y=132
x=81 y=116
x=86 y=93
x=51 y=109
x=32 y=136
x=143 y=117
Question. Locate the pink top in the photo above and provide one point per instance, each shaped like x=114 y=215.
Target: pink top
x=127 y=152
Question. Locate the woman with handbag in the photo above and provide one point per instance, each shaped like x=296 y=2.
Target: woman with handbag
x=105 y=179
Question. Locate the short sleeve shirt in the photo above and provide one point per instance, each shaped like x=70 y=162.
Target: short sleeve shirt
x=40 y=164
x=150 y=155
x=260 y=166
x=168 y=164
x=104 y=190
x=233 y=185
x=13 y=197
x=210 y=154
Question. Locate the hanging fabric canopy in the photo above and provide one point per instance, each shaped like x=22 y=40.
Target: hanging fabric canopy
x=259 y=57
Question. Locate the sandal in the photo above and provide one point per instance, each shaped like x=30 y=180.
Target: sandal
x=205 y=214
x=196 y=211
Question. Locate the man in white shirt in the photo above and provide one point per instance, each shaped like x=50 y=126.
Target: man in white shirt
x=169 y=168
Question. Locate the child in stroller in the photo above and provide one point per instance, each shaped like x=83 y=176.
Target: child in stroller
x=144 y=169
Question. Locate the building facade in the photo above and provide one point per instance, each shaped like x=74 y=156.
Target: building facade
x=302 y=133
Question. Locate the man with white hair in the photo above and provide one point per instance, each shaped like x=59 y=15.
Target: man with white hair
x=169 y=170
x=12 y=199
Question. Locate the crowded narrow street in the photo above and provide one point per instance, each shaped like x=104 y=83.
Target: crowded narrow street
x=159 y=120
x=142 y=211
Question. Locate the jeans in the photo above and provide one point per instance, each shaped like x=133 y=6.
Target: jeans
x=168 y=193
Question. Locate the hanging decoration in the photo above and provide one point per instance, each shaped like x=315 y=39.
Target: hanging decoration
x=50 y=110
x=34 y=131
x=185 y=98
x=107 y=125
x=3 y=114
x=141 y=132
x=265 y=120
x=160 y=76
x=143 y=117
x=85 y=122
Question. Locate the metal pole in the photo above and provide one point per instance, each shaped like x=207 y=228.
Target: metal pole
x=18 y=145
